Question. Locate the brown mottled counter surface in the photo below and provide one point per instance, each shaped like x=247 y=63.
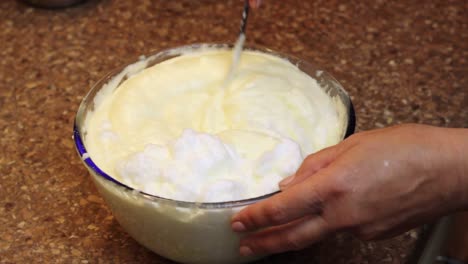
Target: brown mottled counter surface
x=401 y=61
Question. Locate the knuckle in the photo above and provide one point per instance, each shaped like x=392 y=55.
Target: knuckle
x=314 y=204
x=309 y=159
x=307 y=165
x=250 y=221
x=342 y=184
x=275 y=214
x=338 y=185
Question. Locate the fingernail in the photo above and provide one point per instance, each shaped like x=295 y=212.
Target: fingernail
x=238 y=227
x=245 y=251
x=286 y=181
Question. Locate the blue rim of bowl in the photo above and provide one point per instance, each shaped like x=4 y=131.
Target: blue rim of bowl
x=81 y=149
x=89 y=163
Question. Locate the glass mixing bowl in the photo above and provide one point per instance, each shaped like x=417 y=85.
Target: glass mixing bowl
x=186 y=232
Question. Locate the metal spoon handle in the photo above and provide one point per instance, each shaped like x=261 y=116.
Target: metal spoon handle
x=245 y=15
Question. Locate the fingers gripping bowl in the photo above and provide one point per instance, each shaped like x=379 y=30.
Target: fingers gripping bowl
x=187 y=228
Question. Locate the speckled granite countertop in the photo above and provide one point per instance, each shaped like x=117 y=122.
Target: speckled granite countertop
x=401 y=61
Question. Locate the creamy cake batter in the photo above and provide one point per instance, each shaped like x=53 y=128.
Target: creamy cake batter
x=179 y=130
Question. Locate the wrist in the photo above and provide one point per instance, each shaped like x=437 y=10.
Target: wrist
x=455 y=157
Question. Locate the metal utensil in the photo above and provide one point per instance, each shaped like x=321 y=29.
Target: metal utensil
x=245 y=15
x=237 y=50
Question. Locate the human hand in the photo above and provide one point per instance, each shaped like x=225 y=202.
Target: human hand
x=374 y=184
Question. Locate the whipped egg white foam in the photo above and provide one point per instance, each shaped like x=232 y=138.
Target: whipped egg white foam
x=178 y=130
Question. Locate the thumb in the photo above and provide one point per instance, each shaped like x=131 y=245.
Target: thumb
x=311 y=165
